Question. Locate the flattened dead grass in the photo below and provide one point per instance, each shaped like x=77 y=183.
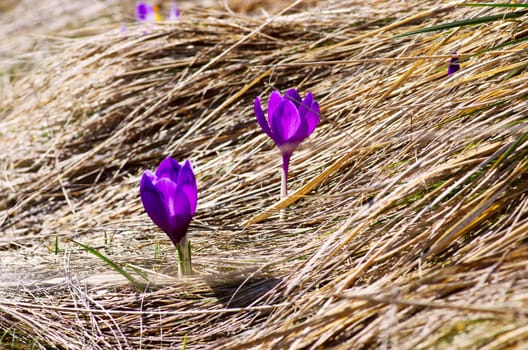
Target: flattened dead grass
x=407 y=223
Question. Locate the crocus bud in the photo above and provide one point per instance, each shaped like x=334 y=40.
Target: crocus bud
x=454 y=64
x=169 y=197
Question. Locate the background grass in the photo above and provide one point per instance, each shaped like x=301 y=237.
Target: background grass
x=406 y=227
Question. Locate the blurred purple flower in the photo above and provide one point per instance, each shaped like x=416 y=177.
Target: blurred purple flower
x=290 y=120
x=454 y=64
x=174 y=12
x=145 y=12
x=169 y=197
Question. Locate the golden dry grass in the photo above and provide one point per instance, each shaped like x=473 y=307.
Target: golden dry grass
x=407 y=223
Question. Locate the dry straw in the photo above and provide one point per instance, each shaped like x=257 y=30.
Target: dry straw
x=407 y=224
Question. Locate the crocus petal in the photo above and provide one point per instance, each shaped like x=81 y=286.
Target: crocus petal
x=261 y=119
x=153 y=202
x=177 y=206
x=166 y=189
x=309 y=111
x=181 y=219
x=182 y=208
x=294 y=96
x=180 y=228
x=187 y=185
x=306 y=105
x=274 y=100
x=151 y=15
x=285 y=122
x=301 y=133
x=169 y=168
x=174 y=12
x=312 y=117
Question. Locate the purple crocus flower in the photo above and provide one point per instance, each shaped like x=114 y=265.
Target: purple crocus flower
x=142 y=10
x=454 y=65
x=169 y=197
x=290 y=120
x=145 y=12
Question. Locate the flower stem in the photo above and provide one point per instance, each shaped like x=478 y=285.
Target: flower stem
x=284 y=180
x=184 y=255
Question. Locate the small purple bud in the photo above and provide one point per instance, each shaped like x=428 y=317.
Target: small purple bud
x=169 y=197
x=454 y=65
x=174 y=13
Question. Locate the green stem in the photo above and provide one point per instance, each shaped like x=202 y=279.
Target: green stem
x=184 y=255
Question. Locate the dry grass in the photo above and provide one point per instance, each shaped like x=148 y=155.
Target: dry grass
x=408 y=228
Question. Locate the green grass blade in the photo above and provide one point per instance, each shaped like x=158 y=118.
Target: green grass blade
x=138 y=271
x=512 y=148
x=466 y=22
x=138 y=285
x=57 y=245
x=184 y=347
x=495 y=5
x=508 y=43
